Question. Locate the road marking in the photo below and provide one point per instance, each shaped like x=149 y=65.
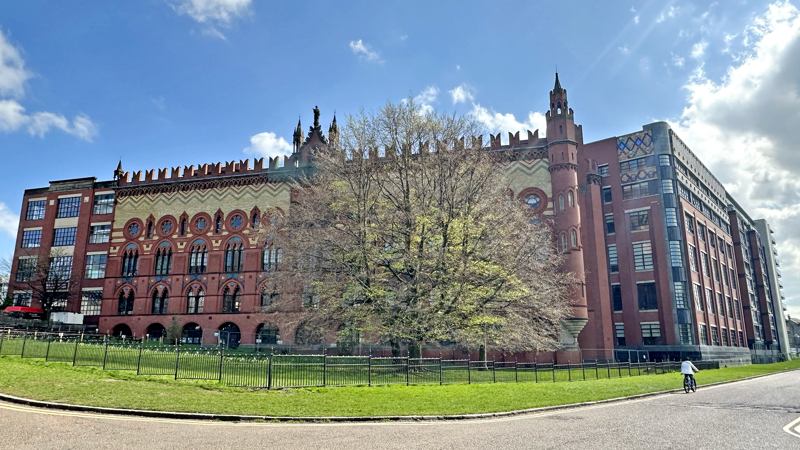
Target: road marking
x=793 y=428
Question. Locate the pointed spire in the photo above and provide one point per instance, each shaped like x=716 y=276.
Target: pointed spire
x=297 y=137
x=557 y=87
x=118 y=173
x=333 y=131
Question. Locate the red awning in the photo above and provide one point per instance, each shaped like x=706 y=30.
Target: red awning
x=25 y=309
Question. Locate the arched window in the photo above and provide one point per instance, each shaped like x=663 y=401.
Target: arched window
x=561 y=202
x=255 y=221
x=268 y=333
x=269 y=297
x=192 y=334
x=160 y=300
x=570 y=198
x=125 y=306
x=574 y=238
x=195 y=301
x=218 y=225
x=533 y=201
x=183 y=227
x=563 y=242
x=198 y=257
x=233 y=255
x=130 y=261
x=231 y=298
x=163 y=259
x=273 y=256
x=150 y=229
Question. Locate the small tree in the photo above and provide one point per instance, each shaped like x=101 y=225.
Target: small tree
x=174 y=331
x=406 y=231
x=51 y=281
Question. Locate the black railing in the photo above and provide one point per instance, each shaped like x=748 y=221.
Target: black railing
x=289 y=371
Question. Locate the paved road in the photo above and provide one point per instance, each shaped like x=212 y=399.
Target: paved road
x=761 y=413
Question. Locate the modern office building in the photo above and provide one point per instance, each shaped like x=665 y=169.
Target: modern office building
x=667 y=262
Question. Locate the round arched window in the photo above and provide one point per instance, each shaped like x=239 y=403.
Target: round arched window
x=166 y=227
x=533 y=201
x=200 y=224
x=133 y=229
x=237 y=221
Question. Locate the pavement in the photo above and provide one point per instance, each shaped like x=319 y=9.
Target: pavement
x=758 y=413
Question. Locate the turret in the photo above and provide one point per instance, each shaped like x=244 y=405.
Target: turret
x=297 y=137
x=118 y=172
x=333 y=132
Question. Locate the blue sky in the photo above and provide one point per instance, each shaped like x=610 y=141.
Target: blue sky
x=162 y=83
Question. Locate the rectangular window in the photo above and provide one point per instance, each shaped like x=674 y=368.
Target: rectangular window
x=703 y=335
x=704 y=263
x=22 y=298
x=729 y=302
x=613 y=264
x=701 y=232
x=712 y=240
x=733 y=279
x=26 y=268
x=689 y=224
x=741 y=339
x=610 y=224
x=675 y=256
x=642 y=256
x=671 y=215
x=64 y=236
x=603 y=170
x=636 y=190
x=680 y=295
x=68 y=207
x=693 y=258
x=715 y=269
x=31 y=238
x=60 y=271
x=36 y=210
x=714 y=335
x=724 y=275
x=90 y=302
x=709 y=301
x=685 y=329
x=60 y=301
x=667 y=187
x=632 y=165
x=663 y=160
x=103 y=204
x=698 y=297
x=639 y=220
x=619 y=334
x=733 y=338
x=651 y=333
x=738 y=312
x=647 y=296
x=721 y=245
x=606 y=194
x=99 y=234
x=95 y=266
x=730 y=251
x=720 y=304
x=616 y=297
x=724 y=333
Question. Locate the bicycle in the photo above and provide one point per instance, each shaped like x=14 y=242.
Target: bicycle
x=689 y=384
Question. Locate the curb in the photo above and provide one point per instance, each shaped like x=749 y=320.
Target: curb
x=412 y=418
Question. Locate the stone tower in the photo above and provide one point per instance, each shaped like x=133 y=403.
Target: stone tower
x=563 y=142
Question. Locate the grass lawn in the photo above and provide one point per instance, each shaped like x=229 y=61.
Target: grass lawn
x=60 y=382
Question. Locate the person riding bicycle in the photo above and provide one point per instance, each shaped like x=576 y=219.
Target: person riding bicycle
x=688 y=369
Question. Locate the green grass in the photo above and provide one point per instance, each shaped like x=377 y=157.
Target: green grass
x=60 y=382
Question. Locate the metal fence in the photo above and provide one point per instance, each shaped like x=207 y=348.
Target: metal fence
x=290 y=371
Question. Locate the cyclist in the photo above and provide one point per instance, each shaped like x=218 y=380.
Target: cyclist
x=688 y=369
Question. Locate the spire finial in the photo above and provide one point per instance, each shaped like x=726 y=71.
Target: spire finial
x=557 y=87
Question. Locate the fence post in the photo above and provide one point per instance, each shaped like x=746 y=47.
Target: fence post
x=440 y=368
x=629 y=368
x=569 y=371
x=583 y=369
x=139 y=362
x=469 y=372
x=369 y=369
x=177 y=358
x=516 y=376
x=324 y=367
x=269 y=373
x=408 y=362
x=24 y=337
x=2 y=338
x=105 y=355
x=619 y=369
x=75 y=352
x=554 y=372
x=47 y=352
x=535 y=372
x=221 y=356
x=596 y=372
x=494 y=377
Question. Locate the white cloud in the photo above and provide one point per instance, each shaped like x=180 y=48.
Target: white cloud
x=502 y=123
x=636 y=20
x=269 y=145
x=624 y=49
x=13 y=73
x=744 y=128
x=668 y=13
x=426 y=98
x=677 y=61
x=462 y=93
x=213 y=13
x=12 y=116
x=364 y=51
x=9 y=222
x=699 y=49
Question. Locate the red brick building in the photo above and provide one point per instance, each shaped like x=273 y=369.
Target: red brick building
x=662 y=252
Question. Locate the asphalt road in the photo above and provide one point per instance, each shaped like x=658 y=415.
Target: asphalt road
x=760 y=413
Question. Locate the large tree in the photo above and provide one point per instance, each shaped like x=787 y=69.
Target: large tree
x=406 y=232
x=50 y=280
